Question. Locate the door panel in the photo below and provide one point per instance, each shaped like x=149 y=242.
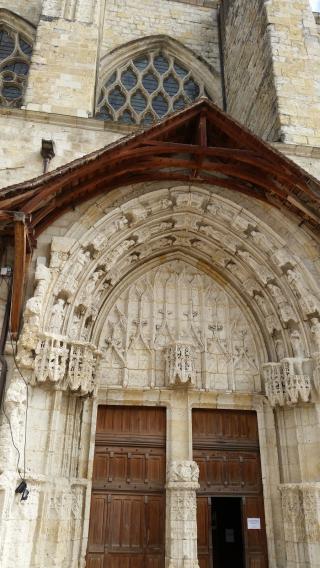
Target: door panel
x=127 y=520
x=204 y=532
x=226 y=448
x=255 y=540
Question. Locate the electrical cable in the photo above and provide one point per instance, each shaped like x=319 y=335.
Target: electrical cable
x=14 y=350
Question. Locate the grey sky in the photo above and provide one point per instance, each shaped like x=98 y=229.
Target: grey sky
x=315 y=5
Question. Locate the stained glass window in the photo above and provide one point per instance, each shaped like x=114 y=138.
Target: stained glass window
x=147 y=88
x=15 y=54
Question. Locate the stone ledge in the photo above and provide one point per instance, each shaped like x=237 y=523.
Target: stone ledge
x=201 y=3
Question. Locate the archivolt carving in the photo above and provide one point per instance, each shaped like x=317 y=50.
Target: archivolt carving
x=72 y=296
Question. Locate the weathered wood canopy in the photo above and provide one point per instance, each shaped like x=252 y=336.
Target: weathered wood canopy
x=200 y=144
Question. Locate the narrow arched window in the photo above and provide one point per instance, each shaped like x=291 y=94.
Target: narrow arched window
x=147 y=88
x=15 y=55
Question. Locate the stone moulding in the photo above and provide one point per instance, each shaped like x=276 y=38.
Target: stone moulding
x=68 y=365
x=285 y=382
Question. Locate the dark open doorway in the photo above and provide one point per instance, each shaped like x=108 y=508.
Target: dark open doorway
x=227 y=532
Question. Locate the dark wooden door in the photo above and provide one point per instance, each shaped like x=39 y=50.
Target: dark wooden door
x=226 y=448
x=127 y=520
x=255 y=540
x=204 y=526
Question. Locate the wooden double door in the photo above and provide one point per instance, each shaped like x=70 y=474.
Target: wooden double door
x=127 y=520
x=230 y=511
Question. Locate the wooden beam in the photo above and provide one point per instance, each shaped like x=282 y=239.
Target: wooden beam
x=19 y=271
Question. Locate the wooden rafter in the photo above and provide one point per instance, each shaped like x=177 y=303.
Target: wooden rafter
x=19 y=271
x=199 y=144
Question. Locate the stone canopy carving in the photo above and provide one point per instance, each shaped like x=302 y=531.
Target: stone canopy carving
x=66 y=365
x=180 y=364
x=286 y=382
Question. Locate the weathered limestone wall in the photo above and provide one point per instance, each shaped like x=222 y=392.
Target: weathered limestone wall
x=29 y=10
x=73 y=139
x=250 y=89
x=63 y=70
x=272 y=68
x=195 y=25
x=296 y=62
x=72 y=36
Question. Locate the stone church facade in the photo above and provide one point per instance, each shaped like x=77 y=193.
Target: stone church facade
x=160 y=299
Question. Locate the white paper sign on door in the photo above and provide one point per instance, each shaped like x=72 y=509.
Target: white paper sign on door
x=254 y=523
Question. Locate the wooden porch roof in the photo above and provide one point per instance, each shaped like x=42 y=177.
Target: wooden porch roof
x=200 y=144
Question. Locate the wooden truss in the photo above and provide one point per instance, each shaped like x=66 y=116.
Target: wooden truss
x=199 y=145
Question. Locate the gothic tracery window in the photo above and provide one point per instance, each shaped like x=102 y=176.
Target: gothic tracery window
x=147 y=88
x=15 y=55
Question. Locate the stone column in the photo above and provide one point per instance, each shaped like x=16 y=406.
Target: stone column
x=301 y=513
x=182 y=482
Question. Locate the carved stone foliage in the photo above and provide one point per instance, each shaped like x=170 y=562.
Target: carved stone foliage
x=176 y=325
x=66 y=365
x=286 y=382
x=293 y=513
x=183 y=471
x=301 y=512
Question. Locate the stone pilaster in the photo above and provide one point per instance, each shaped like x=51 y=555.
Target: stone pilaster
x=301 y=513
x=181 y=540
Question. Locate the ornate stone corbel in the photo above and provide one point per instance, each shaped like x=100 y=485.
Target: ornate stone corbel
x=286 y=382
x=180 y=364
x=67 y=365
x=272 y=373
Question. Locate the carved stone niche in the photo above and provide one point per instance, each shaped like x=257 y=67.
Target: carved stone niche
x=67 y=365
x=286 y=383
x=180 y=364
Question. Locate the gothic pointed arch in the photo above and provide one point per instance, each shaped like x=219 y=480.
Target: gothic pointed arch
x=176 y=266
x=147 y=79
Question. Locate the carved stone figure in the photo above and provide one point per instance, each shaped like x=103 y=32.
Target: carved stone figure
x=87 y=296
x=261 y=272
x=308 y=301
x=280 y=349
x=262 y=304
x=14 y=405
x=75 y=326
x=57 y=315
x=315 y=329
x=262 y=241
x=34 y=305
x=276 y=292
x=297 y=343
